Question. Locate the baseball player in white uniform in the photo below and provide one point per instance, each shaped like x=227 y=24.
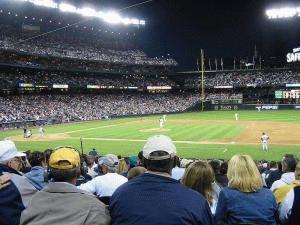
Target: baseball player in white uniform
x=28 y=134
x=236 y=116
x=41 y=131
x=264 y=139
x=165 y=118
x=161 y=123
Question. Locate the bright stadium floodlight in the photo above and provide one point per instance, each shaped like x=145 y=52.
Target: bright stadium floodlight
x=67 y=8
x=126 y=21
x=44 y=3
x=87 y=12
x=286 y=12
x=135 y=22
x=109 y=17
x=112 y=17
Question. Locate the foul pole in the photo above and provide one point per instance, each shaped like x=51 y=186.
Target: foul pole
x=203 y=81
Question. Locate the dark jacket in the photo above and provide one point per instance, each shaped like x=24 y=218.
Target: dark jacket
x=152 y=199
x=236 y=207
x=221 y=179
x=295 y=213
x=273 y=176
x=15 y=197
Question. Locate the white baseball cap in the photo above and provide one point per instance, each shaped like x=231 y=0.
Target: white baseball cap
x=159 y=143
x=9 y=151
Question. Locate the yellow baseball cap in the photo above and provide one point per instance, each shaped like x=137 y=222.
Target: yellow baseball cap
x=64 y=158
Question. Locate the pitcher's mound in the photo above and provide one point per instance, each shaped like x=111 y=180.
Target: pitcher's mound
x=155 y=130
x=47 y=137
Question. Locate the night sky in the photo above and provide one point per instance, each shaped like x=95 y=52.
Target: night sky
x=225 y=29
x=222 y=28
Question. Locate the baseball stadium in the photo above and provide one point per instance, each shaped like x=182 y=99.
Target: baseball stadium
x=113 y=109
x=197 y=134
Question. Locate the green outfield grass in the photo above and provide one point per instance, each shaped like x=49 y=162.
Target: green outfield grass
x=127 y=136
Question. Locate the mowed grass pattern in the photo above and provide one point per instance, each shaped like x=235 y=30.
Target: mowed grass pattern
x=130 y=129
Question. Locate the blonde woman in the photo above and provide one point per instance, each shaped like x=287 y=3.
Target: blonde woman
x=245 y=200
x=200 y=177
x=123 y=166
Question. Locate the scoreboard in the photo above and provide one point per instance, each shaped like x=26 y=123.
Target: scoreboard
x=290 y=94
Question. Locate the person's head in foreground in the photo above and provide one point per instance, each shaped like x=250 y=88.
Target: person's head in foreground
x=10 y=156
x=67 y=203
x=154 y=197
x=159 y=152
x=108 y=164
x=199 y=176
x=243 y=174
x=64 y=165
x=289 y=163
x=245 y=201
x=136 y=171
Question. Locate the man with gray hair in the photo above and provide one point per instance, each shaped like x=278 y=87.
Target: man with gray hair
x=105 y=185
x=289 y=163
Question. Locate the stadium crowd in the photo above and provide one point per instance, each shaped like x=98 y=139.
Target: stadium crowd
x=66 y=108
x=154 y=187
x=48 y=78
x=73 y=45
x=246 y=79
x=38 y=62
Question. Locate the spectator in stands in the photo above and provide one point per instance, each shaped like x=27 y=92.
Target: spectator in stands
x=37 y=174
x=282 y=191
x=272 y=167
x=67 y=204
x=154 y=197
x=289 y=163
x=199 y=176
x=245 y=201
x=93 y=152
x=123 y=166
x=136 y=171
x=220 y=178
x=26 y=167
x=289 y=212
x=15 y=197
x=90 y=162
x=224 y=168
x=104 y=186
x=274 y=175
x=140 y=161
x=177 y=172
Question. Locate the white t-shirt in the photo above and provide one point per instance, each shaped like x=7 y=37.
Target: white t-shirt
x=105 y=185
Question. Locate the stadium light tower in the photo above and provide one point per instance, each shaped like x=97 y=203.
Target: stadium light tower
x=67 y=8
x=87 y=12
x=111 y=17
x=44 y=3
x=285 y=12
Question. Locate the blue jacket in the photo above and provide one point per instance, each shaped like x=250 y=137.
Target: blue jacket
x=15 y=197
x=153 y=199
x=235 y=207
x=36 y=177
